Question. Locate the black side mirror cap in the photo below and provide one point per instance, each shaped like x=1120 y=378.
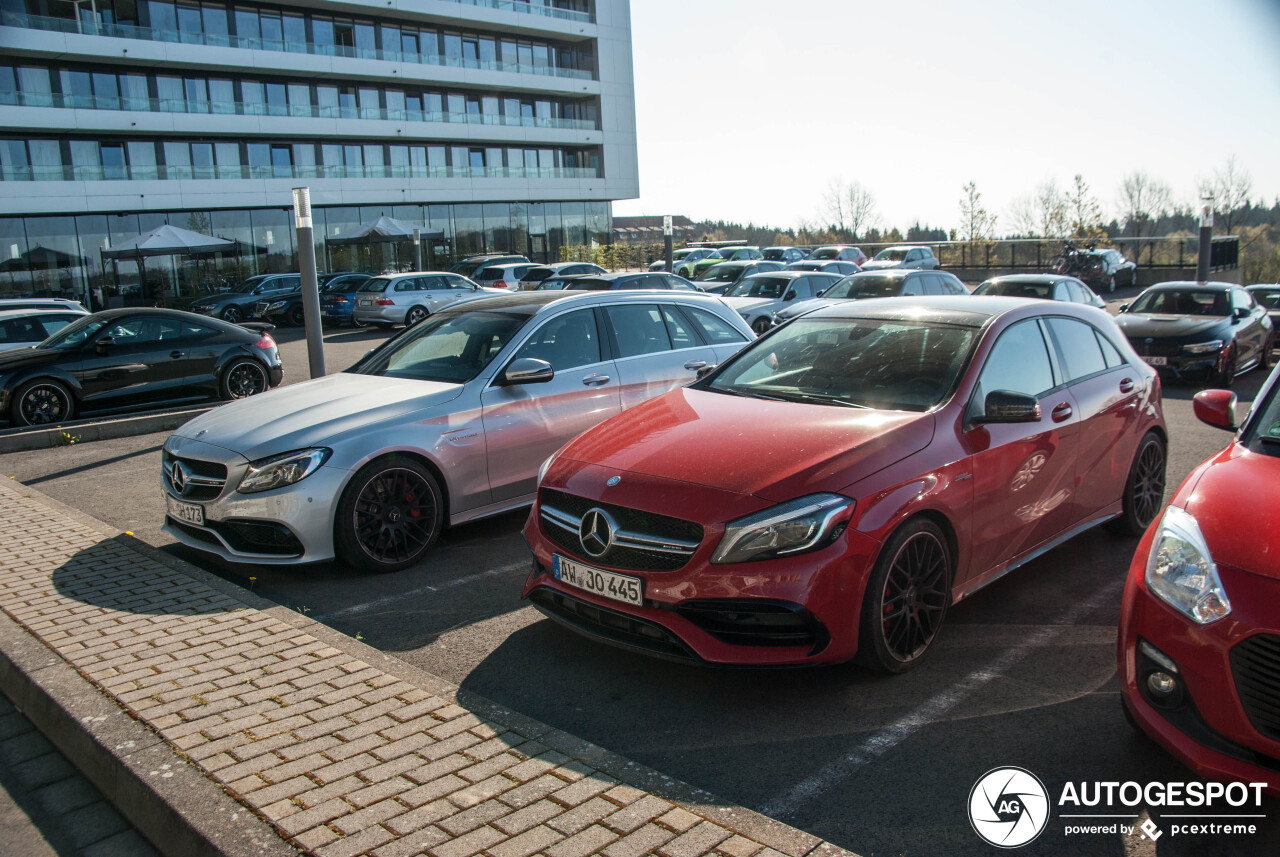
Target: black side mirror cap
x=1004 y=406
x=704 y=372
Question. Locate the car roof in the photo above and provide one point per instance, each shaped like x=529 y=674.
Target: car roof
x=895 y=273
x=44 y=310
x=511 y=265
x=1037 y=279
x=1189 y=284
x=1253 y=286
x=964 y=310
x=536 y=301
x=790 y=275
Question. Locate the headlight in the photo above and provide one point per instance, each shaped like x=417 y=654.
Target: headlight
x=803 y=524
x=546 y=465
x=1181 y=571
x=272 y=307
x=281 y=470
x=1204 y=347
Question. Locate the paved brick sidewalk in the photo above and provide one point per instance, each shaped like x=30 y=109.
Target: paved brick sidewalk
x=342 y=756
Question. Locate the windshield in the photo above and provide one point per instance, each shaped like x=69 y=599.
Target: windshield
x=449 y=347
x=1269 y=298
x=891 y=254
x=861 y=362
x=759 y=287
x=825 y=253
x=246 y=286
x=1263 y=432
x=863 y=286
x=1183 y=302
x=680 y=254
x=1013 y=289
x=722 y=273
x=375 y=284
x=74 y=334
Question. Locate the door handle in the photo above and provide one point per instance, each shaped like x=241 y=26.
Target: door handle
x=595 y=380
x=175 y=354
x=695 y=364
x=1061 y=412
x=1126 y=385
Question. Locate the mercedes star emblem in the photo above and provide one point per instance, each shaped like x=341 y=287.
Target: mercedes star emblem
x=596 y=532
x=178 y=476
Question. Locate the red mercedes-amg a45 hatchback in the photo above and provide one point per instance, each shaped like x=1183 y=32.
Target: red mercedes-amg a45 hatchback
x=832 y=489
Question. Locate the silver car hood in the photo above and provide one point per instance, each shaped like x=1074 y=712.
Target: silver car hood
x=741 y=305
x=314 y=413
x=802 y=307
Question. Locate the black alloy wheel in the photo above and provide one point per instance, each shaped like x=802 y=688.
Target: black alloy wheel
x=233 y=314
x=243 y=378
x=1144 y=489
x=390 y=514
x=761 y=326
x=42 y=402
x=297 y=317
x=907 y=598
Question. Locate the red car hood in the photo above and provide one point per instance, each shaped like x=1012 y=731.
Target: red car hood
x=1236 y=502
x=773 y=450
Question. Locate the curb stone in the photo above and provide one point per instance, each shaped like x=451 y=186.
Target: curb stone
x=20 y=439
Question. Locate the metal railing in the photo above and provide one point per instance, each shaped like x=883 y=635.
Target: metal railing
x=169 y=172
x=312 y=111
x=127 y=31
x=1038 y=253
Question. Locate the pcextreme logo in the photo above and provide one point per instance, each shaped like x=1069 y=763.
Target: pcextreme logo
x=1008 y=807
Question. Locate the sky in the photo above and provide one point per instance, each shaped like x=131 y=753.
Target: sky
x=748 y=110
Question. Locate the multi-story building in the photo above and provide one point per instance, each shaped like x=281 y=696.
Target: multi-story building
x=501 y=125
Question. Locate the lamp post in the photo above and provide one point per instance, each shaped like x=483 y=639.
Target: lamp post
x=310 y=288
x=666 y=240
x=1206 y=238
x=417 y=249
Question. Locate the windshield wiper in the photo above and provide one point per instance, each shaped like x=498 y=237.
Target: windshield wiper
x=816 y=397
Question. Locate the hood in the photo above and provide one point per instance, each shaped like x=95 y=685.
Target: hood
x=1140 y=325
x=745 y=305
x=773 y=450
x=224 y=299
x=1235 y=473
x=20 y=358
x=802 y=307
x=314 y=413
x=873 y=265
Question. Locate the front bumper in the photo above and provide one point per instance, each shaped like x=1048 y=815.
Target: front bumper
x=285 y=526
x=1207 y=729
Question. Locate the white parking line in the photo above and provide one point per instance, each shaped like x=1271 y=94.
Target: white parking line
x=886 y=739
x=422 y=590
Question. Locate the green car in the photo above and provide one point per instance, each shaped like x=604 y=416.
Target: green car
x=724 y=254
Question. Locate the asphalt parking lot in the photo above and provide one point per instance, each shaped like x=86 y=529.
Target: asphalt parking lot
x=1024 y=672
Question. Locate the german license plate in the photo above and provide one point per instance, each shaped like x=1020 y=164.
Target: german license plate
x=188 y=513
x=366 y=302
x=1157 y=361
x=619 y=587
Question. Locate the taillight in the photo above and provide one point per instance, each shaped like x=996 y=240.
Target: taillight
x=265 y=342
x=384 y=302
x=500 y=284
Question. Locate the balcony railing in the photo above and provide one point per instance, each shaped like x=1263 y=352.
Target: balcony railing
x=529 y=9
x=62 y=173
x=126 y=31
x=311 y=111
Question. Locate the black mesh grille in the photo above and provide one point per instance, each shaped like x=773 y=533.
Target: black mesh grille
x=245 y=536
x=752 y=622
x=647 y=524
x=1255 y=666
x=611 y=625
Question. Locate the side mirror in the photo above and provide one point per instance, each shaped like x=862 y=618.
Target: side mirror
x=789 y=296
x=819 y=293
x=1003 y=406
x=1124 y=308
x=1216 y=408
x=1241 y=313
x=704 y=372
x=104 y=343
x=526 y=370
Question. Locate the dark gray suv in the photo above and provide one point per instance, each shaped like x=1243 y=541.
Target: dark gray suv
x=237 y=305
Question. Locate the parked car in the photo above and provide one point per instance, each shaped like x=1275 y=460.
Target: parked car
x=1199 y=635
x=1268 y=296
x=785 y=255
x=758 y=296
x=506 y=276
x=842 y=268
x=122 y=358
x=721 y=277
x=443 y=424
x=1216 y=330
x=610 y=282
x=471 y=264
x=902 y=257
x=1100 y=269
x=23 y=328
x=409 y=298
x=877 y=284
x=557 y=283
x=1054 y=287
x=40 y=303
x=685 y=254
x=236 y=305
x=927 y=448
x=693 y=270
x=537 y=274
x=337 y=303
x=287 y=308
x=839 y=253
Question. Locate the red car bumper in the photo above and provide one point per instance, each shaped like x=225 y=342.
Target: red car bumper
x=1226 y=725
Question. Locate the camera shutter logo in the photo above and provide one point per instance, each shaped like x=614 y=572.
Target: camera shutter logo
x=1008 y=807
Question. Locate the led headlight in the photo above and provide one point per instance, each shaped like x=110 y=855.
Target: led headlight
x=804 y=524
x=277 y=305
x=1212 y=347
x=281 y=470
x=1181 y=572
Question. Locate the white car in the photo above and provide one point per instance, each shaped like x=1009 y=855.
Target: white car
x=23 y=328
x=409 y=298
x=759 y=296
x=446 y=423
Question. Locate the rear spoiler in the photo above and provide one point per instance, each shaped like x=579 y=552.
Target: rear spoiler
x=257 y=326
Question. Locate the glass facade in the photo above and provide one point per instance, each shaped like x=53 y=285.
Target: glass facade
x=62 y=256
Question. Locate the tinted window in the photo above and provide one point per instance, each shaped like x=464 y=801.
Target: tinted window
x=448 y=347
x=638 y=329
x=913 y=286
x=408 y=284
x=1019 y=363
x=714 y=329
x=1061 y=292
x=20 y=330
x=1078 y=347
x=681 y=335
x=1109 y=352
x=566 y=342
x=952 y=284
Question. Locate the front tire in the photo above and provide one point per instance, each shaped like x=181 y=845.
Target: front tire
x=1268 y=358
x=233 y=314
x=243 y=378
x=297 y=316
x=761 y=326
x=42 y=402
x=390 y=514
x=414 y=315
x=907 y=598
x=1111 y=284
x=1144 y=487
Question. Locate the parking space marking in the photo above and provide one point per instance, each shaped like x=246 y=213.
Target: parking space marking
x=785 y=805
x=422 y=590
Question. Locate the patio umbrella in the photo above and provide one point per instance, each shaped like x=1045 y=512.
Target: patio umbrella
x=384 y=229
x=168 y=241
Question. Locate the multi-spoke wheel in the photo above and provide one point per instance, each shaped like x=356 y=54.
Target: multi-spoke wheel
x=761 y=326
x=390 y=514
x=1144 y=489
x=243 y=378
x=233 y=314
x=907 y=597
x=42 y=402
x=414 y=315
